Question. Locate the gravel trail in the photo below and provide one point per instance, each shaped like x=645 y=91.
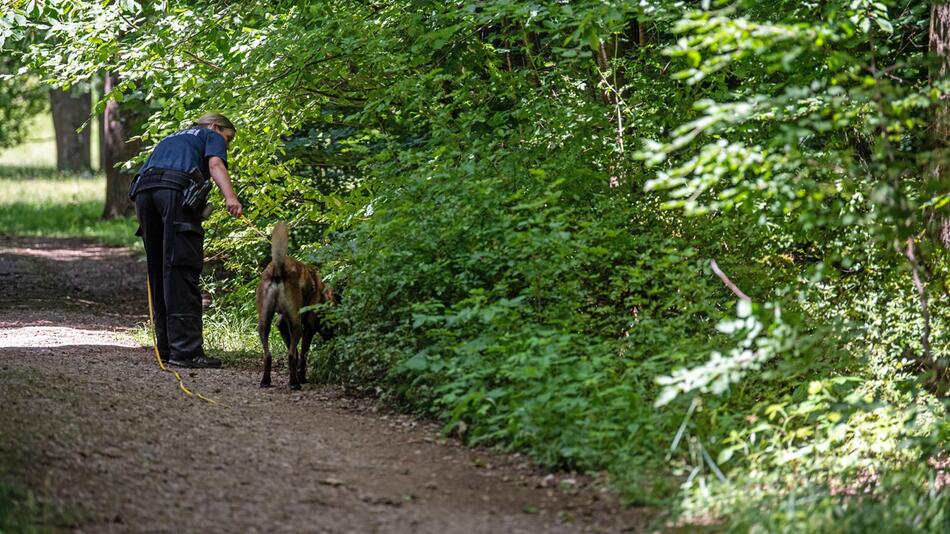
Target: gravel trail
x=92 y=426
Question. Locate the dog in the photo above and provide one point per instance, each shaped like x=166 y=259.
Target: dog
x=287 y=285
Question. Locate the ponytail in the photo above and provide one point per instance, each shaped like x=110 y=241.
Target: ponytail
x=214 y=119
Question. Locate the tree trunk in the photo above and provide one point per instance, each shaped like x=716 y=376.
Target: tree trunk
x=940 y=40
x=116 y=128
x=70 y=110
x=940 y=127
x=935 y=180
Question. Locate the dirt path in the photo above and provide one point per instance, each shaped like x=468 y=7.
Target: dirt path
x=92 y=425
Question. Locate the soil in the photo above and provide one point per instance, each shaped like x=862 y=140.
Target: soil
x=103 y=437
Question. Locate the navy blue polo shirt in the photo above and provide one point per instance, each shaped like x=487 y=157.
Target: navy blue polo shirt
x=187 y=149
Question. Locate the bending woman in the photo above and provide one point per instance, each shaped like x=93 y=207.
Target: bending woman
x=172 y=233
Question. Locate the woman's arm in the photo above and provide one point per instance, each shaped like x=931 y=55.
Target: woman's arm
x=219 y=172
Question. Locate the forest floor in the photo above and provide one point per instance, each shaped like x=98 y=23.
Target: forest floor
x=107 y=442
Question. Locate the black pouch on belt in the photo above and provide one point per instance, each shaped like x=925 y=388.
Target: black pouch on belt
x=195 y=196
x=134 y=186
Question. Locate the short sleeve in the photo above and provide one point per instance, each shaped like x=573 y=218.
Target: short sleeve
x=216 y=146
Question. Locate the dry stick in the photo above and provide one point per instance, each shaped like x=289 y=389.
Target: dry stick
x=617 y=104
x=725 y=280
x=289 y=71
x=331 y=95
x=203 y=61
x=922 y=294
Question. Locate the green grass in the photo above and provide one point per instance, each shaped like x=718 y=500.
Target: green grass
x=20 y=511
x=39 y=150
x=232 y=336
x=37 y=201
x=228 y=336
x=23 y=510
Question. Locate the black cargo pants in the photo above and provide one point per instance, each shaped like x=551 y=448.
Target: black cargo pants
x=174 y=249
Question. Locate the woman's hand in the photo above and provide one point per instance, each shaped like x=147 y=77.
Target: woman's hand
x=219 y=173
x=234 y=206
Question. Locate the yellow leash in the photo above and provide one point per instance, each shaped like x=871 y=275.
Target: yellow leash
x=158 y=357
x=248 y=222
x=151 y=318
x=260 y=232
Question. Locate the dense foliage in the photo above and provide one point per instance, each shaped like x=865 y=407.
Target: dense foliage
x=521 y=203
x=21 y=95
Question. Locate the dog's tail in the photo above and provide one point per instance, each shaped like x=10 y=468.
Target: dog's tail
x=278 y=247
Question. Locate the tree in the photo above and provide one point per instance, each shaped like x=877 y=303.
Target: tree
x=940 y=127
x=21 y=98
x=115 y=130
x=71 y=109
x=940 y=48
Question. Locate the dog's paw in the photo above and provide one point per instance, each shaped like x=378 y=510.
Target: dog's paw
x=265 y=384
x=295 y=387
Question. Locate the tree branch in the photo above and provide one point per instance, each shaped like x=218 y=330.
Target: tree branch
x=924 y=306
x=203 y=61
x=311 y=90
x=725 y=280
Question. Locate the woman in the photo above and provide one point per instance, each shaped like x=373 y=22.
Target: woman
x=172 y=233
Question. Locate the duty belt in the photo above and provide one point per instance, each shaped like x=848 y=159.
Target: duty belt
x=177 y=178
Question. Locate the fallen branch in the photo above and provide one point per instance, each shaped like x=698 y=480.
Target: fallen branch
x=725 y=280
x=924 y=306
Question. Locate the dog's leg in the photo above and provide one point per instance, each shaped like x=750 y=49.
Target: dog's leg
x=284 y=328
x=265 y=315
x=308 y=333
x=265 y=333
x=292 y=356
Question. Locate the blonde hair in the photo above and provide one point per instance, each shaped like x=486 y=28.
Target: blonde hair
x=214 y=119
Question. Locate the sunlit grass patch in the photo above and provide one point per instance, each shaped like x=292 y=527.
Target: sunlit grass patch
x=39 y=150
x=43 y=202
x=232 y=337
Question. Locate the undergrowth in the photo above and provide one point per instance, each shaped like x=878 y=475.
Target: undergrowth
x=687 y=246
x=21 y=511
x=46 y=203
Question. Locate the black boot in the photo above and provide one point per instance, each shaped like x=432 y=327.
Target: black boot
x=197 y=362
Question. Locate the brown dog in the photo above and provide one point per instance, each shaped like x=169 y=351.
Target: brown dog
x=288 y=285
